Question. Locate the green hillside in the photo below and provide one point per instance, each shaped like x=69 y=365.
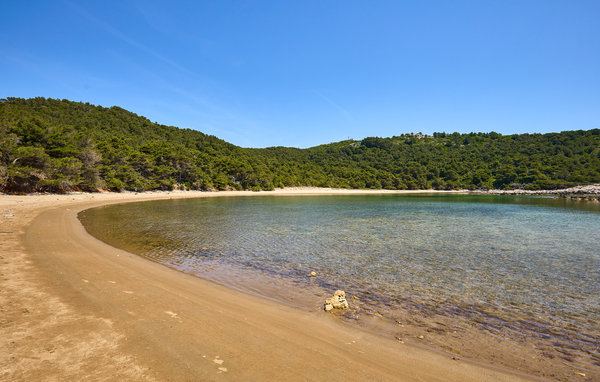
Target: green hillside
x=57 y=146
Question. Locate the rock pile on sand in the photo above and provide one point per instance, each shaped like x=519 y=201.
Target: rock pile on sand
x=338 y=301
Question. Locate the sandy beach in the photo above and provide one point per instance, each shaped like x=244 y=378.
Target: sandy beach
x=73 y=308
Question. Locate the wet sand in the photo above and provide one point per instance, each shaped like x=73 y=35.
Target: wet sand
x=72 y=307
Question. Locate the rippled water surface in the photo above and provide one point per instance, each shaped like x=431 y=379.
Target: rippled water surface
x=524 y=265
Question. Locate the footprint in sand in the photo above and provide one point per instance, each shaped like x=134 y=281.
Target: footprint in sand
x=219 y=361
x=172 y=314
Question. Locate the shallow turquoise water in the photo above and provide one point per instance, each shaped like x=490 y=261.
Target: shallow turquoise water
x=533 y=261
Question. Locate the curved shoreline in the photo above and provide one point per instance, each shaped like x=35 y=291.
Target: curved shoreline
x=74 y=307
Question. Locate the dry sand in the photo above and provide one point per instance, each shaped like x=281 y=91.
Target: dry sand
x=74 y=308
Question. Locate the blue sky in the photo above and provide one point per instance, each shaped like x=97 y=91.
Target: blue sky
x=303 y=73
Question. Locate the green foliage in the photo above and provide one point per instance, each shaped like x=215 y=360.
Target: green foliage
x=59 y=146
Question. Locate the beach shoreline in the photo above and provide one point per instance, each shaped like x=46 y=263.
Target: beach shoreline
x=74 y=307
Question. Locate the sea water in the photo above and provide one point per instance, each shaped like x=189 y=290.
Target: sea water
x=460 y=269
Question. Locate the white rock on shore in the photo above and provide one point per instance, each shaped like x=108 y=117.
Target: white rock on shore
x=338 y=301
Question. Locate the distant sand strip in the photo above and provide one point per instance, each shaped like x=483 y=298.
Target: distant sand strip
x=72 y=307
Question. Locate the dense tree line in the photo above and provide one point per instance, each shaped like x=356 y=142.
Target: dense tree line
x=58 y=146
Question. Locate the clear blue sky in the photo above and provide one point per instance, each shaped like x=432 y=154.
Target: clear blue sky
x=303 y=73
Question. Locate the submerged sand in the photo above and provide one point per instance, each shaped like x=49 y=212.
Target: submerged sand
x=72 y=308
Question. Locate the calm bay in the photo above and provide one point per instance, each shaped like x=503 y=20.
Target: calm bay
x=502 y=279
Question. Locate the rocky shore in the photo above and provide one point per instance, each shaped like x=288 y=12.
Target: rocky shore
x=588 y=191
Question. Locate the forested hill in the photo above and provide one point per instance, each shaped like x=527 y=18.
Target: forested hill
x=58 y=146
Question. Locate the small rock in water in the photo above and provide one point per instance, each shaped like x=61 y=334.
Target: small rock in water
x=338 y=301
x=313 y=274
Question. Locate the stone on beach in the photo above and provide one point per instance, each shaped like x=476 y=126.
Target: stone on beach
x=338 y=301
